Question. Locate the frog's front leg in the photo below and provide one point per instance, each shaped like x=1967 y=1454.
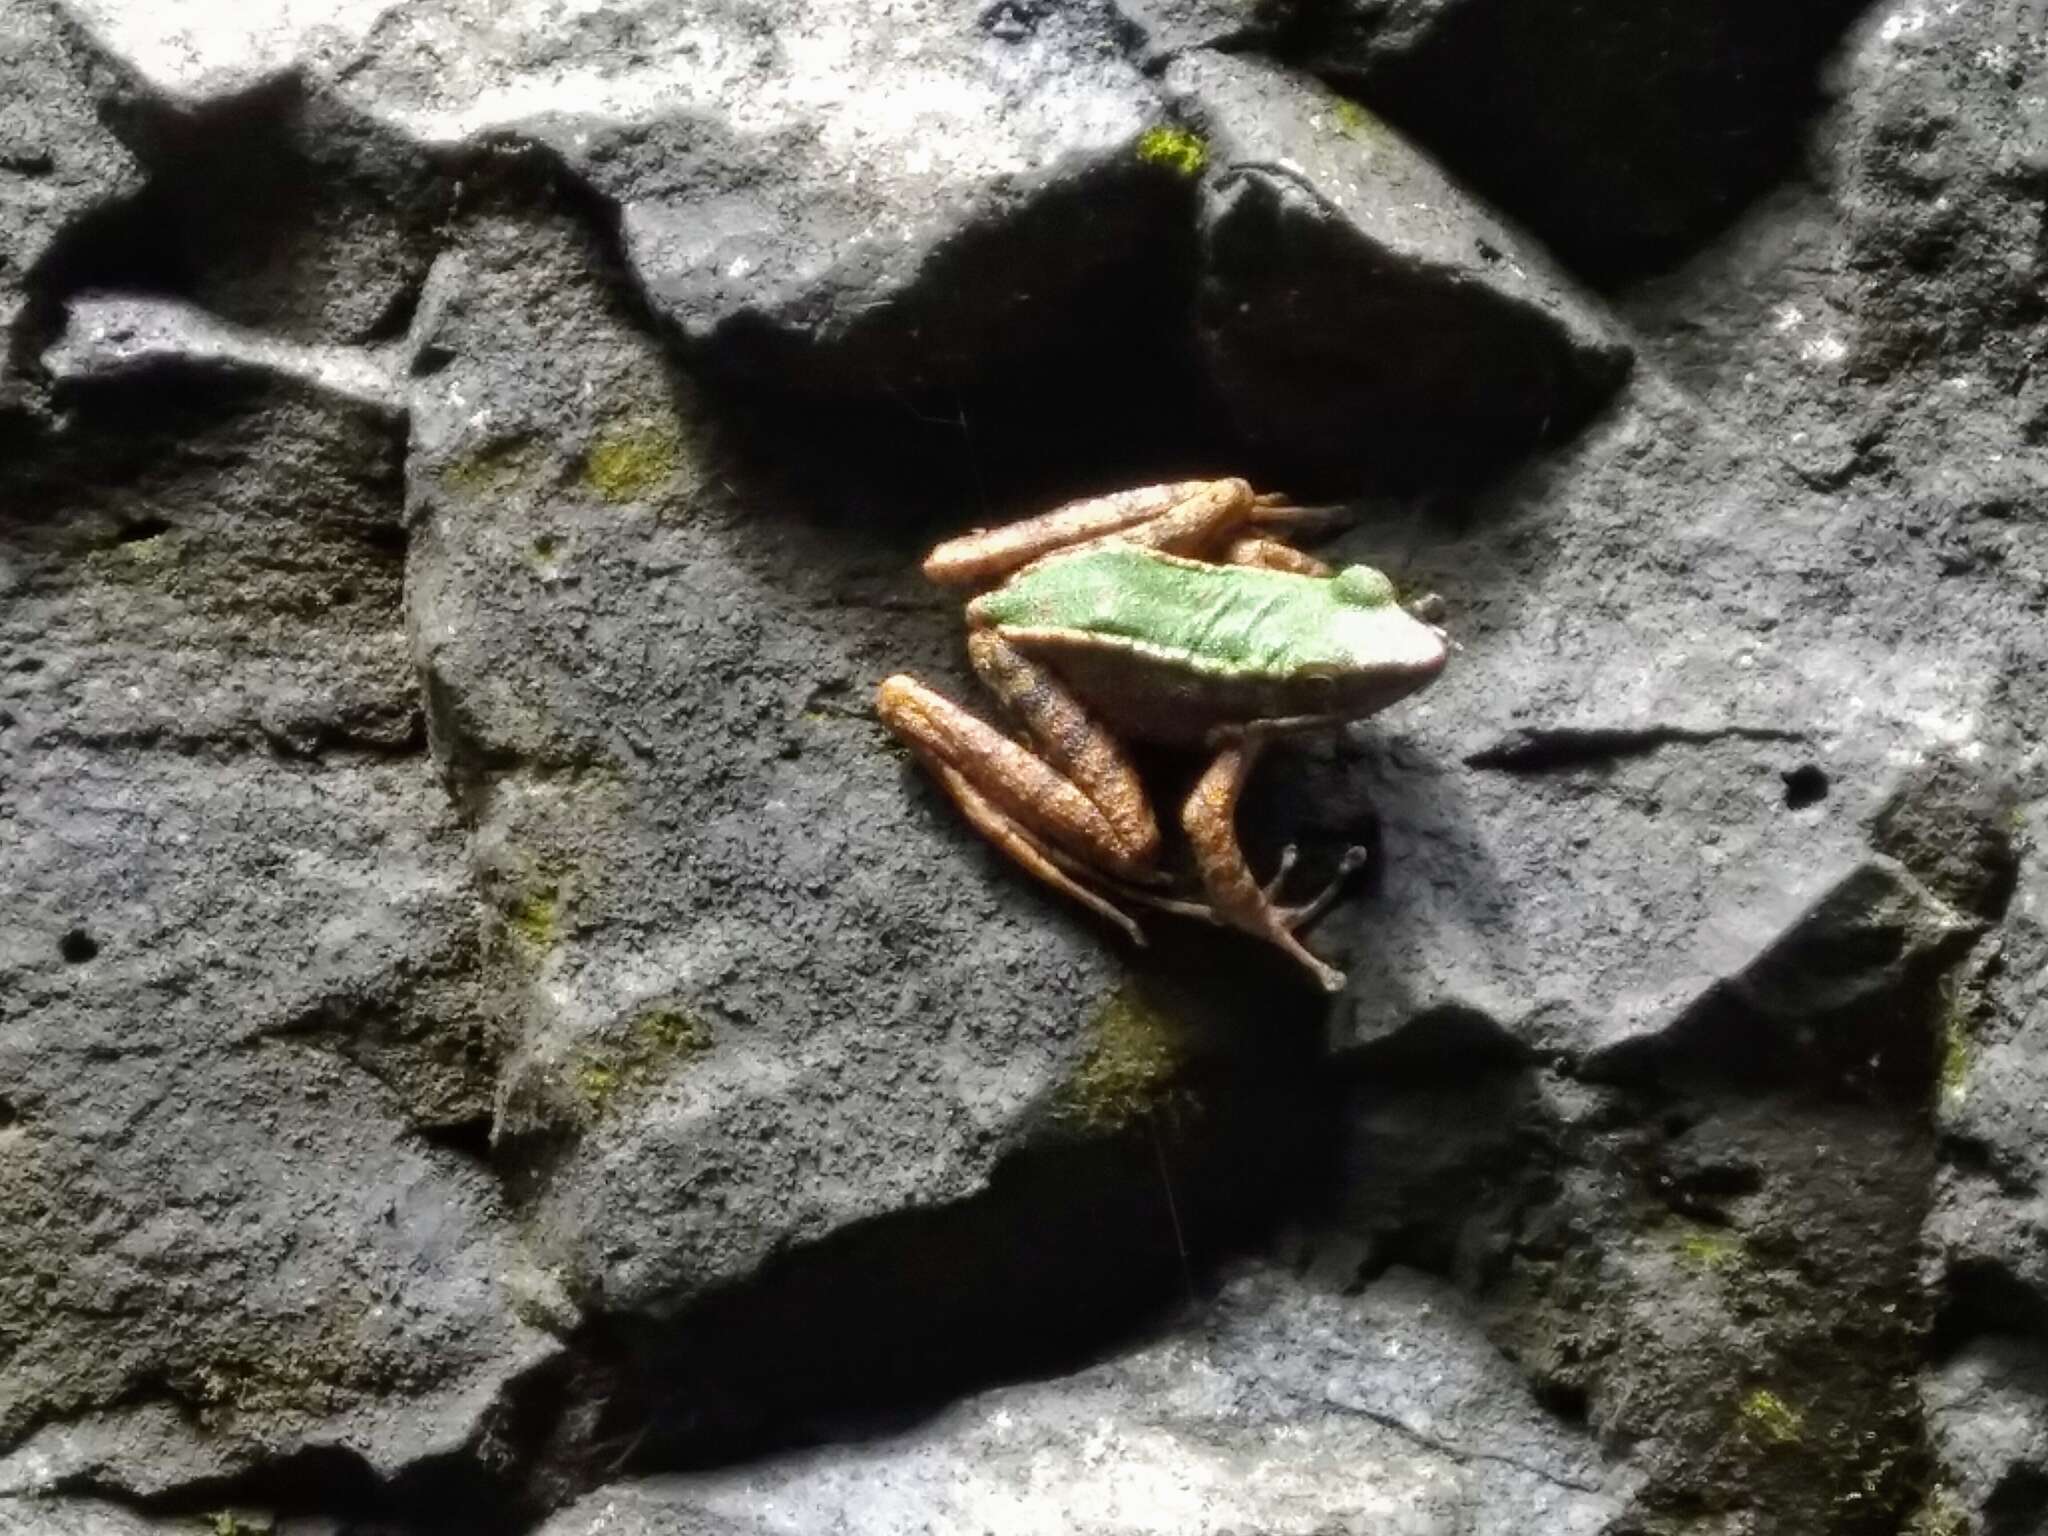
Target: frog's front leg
x=1195 y=518
x=1235 y=896
x=1078 y=808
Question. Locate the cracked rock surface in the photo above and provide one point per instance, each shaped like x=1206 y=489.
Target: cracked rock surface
x=495 y=1037
x=1284 y=1410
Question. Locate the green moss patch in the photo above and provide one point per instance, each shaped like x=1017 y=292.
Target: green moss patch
x=1354 y=122
x=1136 y=1053
x=536 y=918
x=1957 y=1046
x=492 y=470
x=1709 y=1248
x=652 y=1046
x=1766 y=1417
x=1175 y=148
x=633 y=457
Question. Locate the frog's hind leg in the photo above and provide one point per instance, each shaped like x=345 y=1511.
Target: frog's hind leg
x=1210 y=817
x=1024 y=849
x=1043 y=819
x=1081 y=751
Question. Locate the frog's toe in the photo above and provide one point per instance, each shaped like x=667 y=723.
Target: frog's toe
x=1300 y=917
x=1288 y=856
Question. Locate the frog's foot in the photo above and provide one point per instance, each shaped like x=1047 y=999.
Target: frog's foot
x=1235 y=896
x=1300 y=917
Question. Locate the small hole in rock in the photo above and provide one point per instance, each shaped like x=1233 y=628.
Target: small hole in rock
x=341 y=596
x=142 y=528
x=9 y=1115
x=78 y=946
x=1805 y=785
x=1565 y=1399
x=28 y=664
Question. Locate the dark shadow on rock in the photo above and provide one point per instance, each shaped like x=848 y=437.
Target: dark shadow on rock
x=438 y=1494
x=1085 y=1238
x=1983 y=1296
x=1624 y=133
x=1850 y=1000
x=275 y=208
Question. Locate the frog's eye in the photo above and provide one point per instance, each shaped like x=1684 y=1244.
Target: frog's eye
x=1362 y=587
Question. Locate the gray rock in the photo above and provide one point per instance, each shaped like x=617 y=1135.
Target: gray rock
x=108 y=335
x=1002 y=144
x=648 y=671
x=239 y=994
x=1683 y=745
x=1356 y=306
x=73 y=1517
x=1622 y=133
x=692 y=843
x=242 y=1246
x=1165 y=28
x=1987 y=1410
x=489 y=1012
x=1285 y=1410
x=57 y=163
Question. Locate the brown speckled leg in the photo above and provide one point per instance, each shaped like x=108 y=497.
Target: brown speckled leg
x=1210 y=816
x=1077 y=810
x=1079 y=748
x=1272 y=555
x=1023 y=848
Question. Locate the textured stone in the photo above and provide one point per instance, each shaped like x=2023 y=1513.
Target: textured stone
x=57 y=163
x=647 y=670
x=487 y=1012
x=1284 y=1410
x=239 y=994
x=1356 y=306
x=1623 y=132
x=108 y=336
x=1988 y=1413
x=73 y=1517
x=239 y=1245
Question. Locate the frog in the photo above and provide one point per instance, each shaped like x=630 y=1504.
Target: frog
x=1178 y=614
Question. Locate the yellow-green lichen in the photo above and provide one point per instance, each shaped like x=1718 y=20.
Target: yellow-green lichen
x=492 y=470
x=1135 y=1053
x=1766 y=1417
x=653 y=1044
x=1941 y=1514
x=1175 y=148
x=632 y=457
x=1957 y=1047
x=1709 y=1247
x=1354 y=122
x=536 y=918
x=144 y=559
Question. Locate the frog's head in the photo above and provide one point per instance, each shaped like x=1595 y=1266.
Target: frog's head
x=1385 y=651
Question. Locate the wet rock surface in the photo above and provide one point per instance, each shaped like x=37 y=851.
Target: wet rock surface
x=493 y=1034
